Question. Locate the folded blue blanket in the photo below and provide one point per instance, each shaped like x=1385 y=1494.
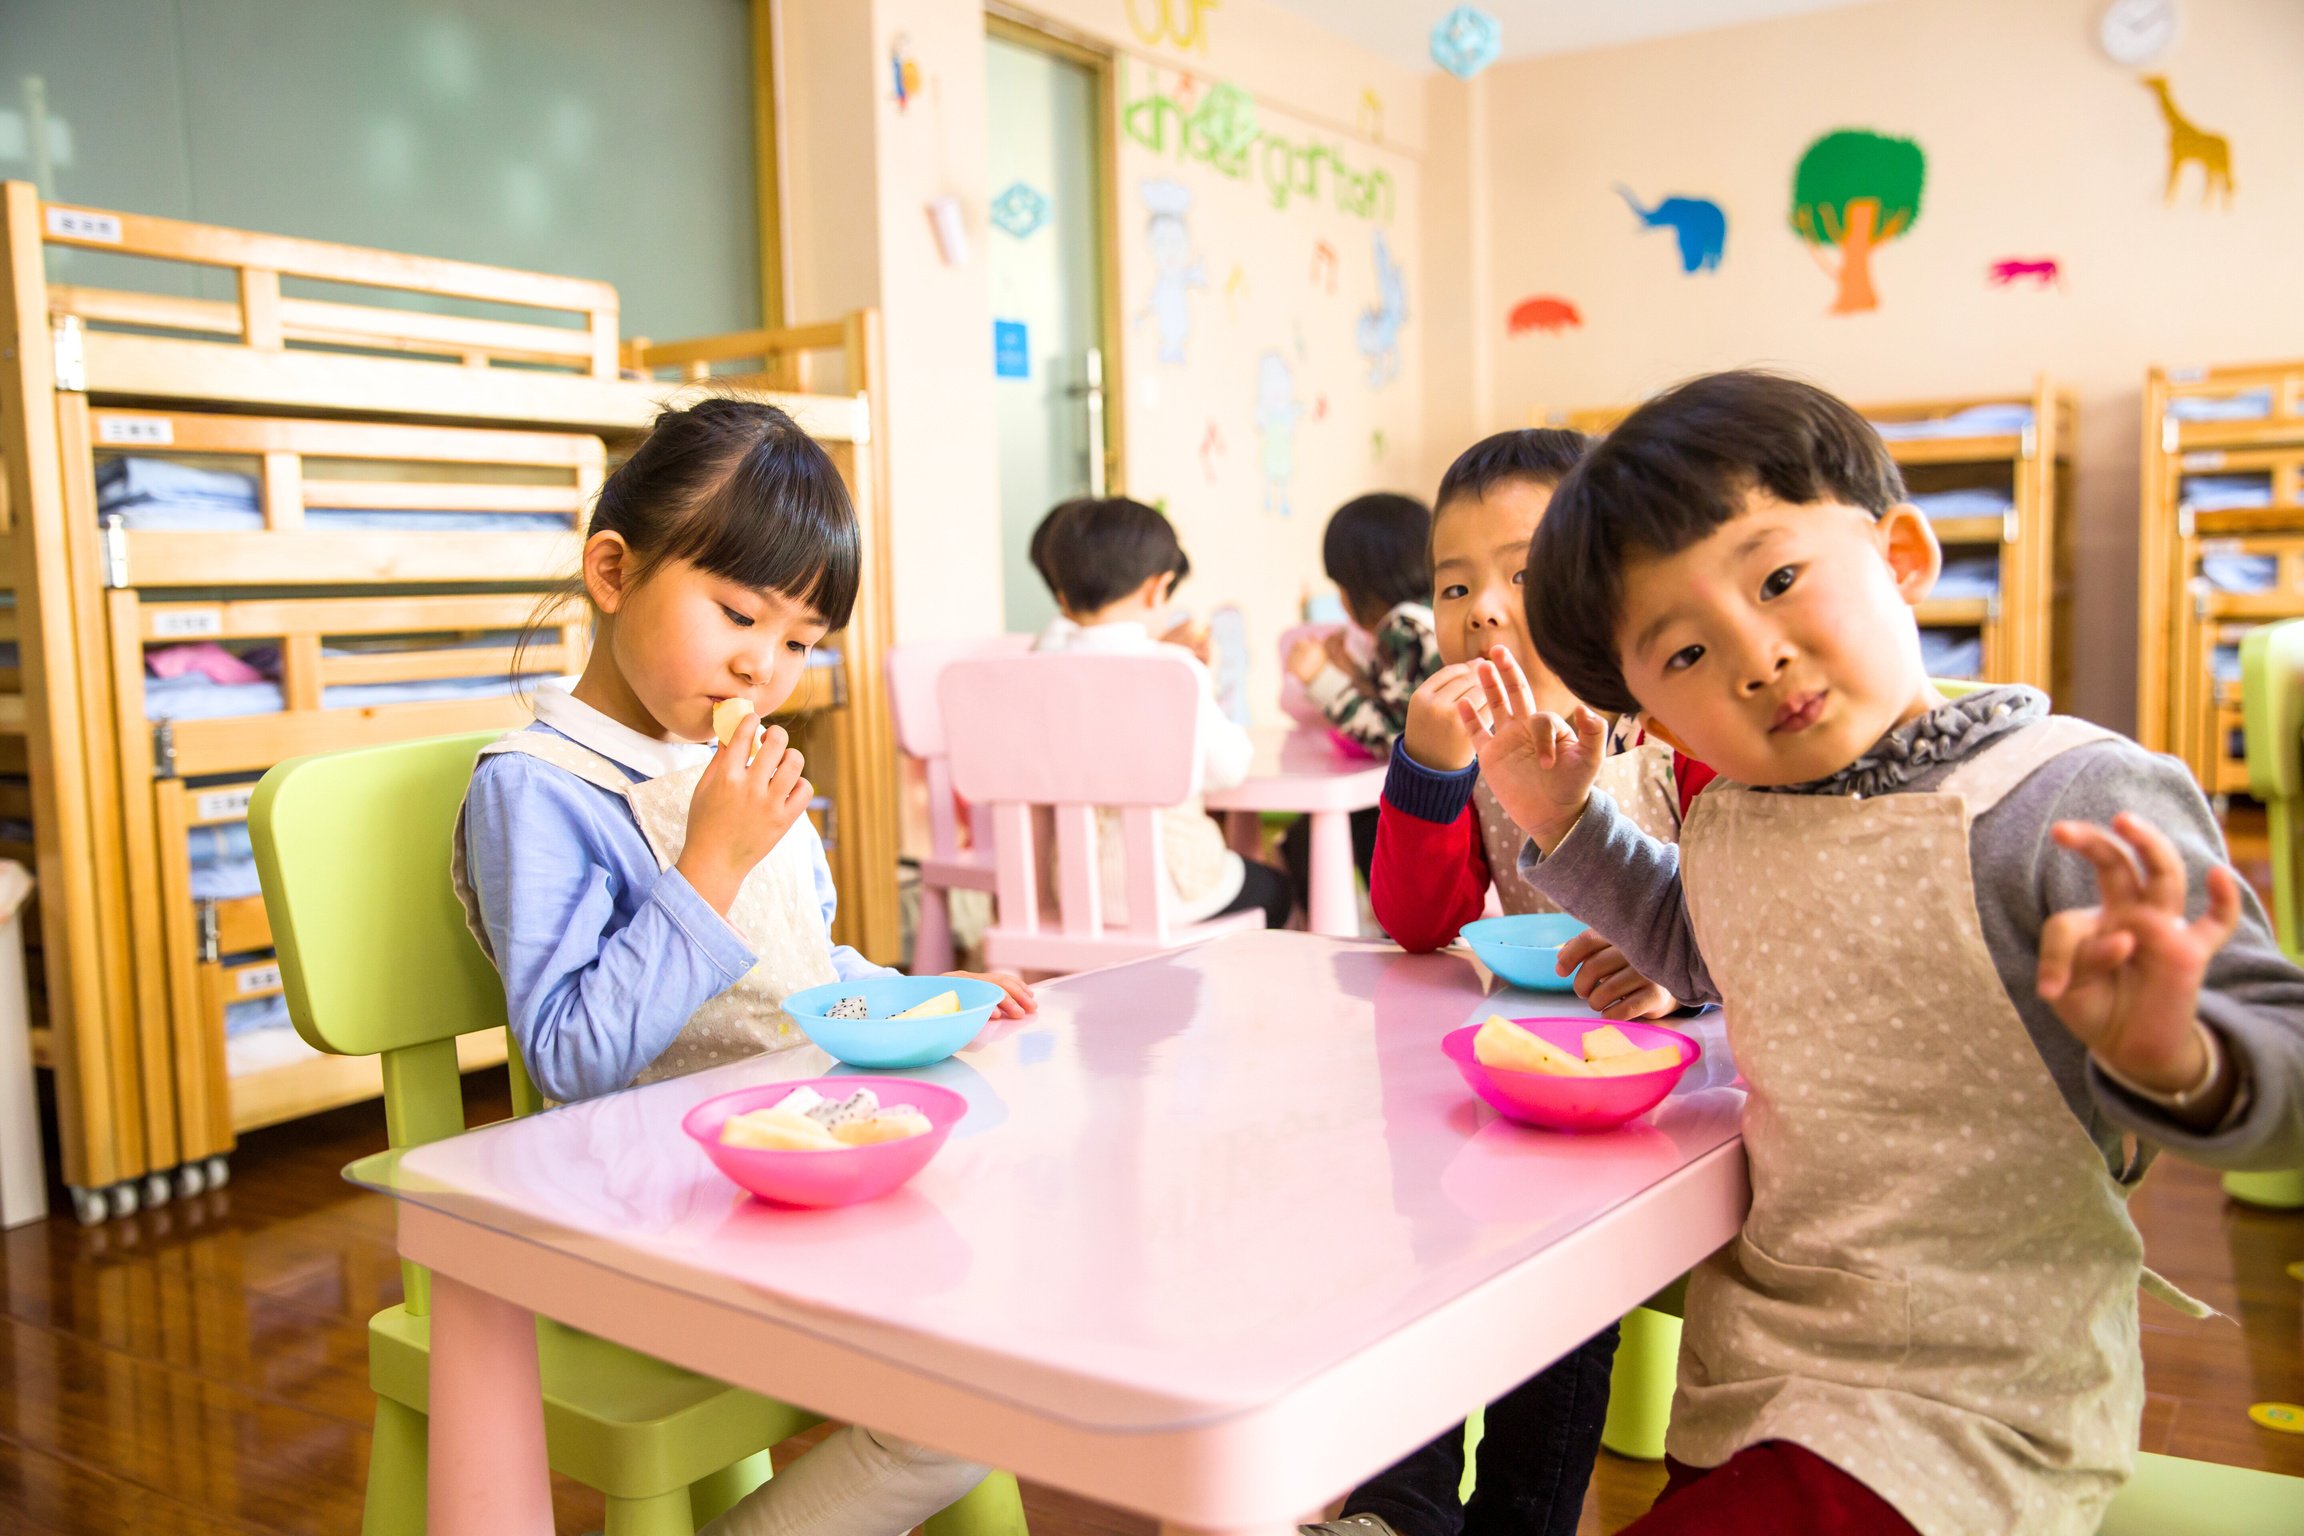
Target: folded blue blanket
x=2248 y=405
x=153 y=495
x=1975 y=421
x=1953 y=653
x=2225 y=493
x=1968 y=501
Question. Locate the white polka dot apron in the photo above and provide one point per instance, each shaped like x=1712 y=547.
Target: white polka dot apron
x=1936 y=1287
x=775 y=912
x=1639 y=779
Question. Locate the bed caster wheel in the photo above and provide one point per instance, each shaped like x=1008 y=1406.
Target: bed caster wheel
x=124 y=1200
x=219 y=1171
x=89 y=1207
x=191 y=1179
x=157 y=1190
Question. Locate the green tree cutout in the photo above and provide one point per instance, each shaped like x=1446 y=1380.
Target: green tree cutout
x=1856 y=190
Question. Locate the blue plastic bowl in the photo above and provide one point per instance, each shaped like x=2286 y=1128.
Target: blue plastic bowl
x=887 y=1044
x=1523 y=950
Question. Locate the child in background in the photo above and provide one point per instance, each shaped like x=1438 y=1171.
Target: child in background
x=1113 y=566
x=1929 y=1321
x=649 y=900
x=1439 y=837
x=1378 y=551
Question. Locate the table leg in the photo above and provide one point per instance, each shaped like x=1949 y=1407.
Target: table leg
x=488 y=1474
x=1334 y=902
x=1245 y=831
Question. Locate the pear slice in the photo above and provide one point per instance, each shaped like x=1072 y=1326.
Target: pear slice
x=941 y=1003
x=1507 y=1047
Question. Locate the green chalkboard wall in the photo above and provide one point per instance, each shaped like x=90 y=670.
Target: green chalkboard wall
x=600 y=138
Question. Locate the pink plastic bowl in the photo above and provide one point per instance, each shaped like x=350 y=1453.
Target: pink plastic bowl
x=846 y=1177
x=1571 y=1103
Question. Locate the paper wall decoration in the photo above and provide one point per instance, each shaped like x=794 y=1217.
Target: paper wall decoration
x=904 y=75
x=1211 y=445
x=2042 y=271
x=1177 y=270
x=1222 y=133
x=1543 y=312
x=1324 y=264
x=1370 y=119
x=1020 y=210
x=2187 y=143
x=1466 y=41
x=1011 y=350
x=1375 y=442
x=1699 y=224
x=1856 y=190
x=1234 y=286
x=1277 y=409
x=1378 y=335
x=1177 y=23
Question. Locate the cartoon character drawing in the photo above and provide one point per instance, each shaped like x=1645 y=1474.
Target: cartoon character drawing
x=1379 y=333
x=2188 y=141
x=1277 y=409
x=1700 y=223
x=1169 y=239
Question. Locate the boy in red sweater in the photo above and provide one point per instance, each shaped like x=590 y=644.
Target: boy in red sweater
x=1441 y=840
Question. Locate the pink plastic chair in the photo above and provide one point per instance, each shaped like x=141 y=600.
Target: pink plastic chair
x=913 y=671
x=1072 y=733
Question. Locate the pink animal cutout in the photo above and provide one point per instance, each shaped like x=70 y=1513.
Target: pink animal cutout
x=2043 y=271
x=1543 y=313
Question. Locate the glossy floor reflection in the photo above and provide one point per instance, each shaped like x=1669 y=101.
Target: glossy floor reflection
x=202 y=1368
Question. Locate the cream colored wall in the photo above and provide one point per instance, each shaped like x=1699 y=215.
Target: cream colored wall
x=2037 y=146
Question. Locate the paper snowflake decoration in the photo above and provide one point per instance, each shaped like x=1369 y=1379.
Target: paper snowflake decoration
x=1465 y=42
x=1020 y=210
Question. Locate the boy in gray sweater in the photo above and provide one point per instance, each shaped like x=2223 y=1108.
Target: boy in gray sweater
x=1964 y=946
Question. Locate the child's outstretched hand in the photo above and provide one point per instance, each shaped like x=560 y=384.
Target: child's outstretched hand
x=1539 y=766
x=1019 y=1000
x=741 y=811
x=1307 y=659
x=1607 y=982
x=2124 y=976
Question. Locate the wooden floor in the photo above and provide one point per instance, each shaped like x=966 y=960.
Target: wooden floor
x=202 y=1368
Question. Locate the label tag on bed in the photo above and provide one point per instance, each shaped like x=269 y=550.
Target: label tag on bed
x=2223 y=547
x=80 y=224
x=257 y=978
x=149 y=430
x=186 y=623
x=2186 y=375
x=221 y=805
x=2213 y=459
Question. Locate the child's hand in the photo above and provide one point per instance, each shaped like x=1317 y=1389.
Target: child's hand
x=2124 y=976
x=1607 y=982
x=1307 y=659
x=1019 y=1000
x=1193 y=635
x=1435 y=735
x=1338 y=648
x=741 y=812
x=1539 y=766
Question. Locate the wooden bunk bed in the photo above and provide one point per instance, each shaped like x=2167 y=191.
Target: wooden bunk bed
x=2221 y=550
x=347 y=426
x=1994 y=473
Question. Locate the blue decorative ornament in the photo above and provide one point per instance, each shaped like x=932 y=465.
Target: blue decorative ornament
x=1020 y=210
x=1466 y=41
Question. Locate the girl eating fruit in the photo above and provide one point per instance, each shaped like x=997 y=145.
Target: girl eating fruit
x=650 y=901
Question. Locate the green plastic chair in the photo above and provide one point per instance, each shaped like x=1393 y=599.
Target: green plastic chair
x=2272 y=720
x=375 y=959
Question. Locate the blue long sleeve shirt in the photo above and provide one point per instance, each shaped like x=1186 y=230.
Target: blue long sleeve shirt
x=603 y=955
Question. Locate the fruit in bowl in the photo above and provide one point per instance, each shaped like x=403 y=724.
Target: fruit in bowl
x=826 y=1141
x=891 y=1023
x=1570 y=1074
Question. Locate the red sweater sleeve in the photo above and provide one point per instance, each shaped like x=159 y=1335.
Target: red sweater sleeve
x=1430 y=878
x=1691 y=776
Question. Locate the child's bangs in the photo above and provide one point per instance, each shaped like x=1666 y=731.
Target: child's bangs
x=781 y=521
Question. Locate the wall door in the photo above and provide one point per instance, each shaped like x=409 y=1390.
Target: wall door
x=1052 y=358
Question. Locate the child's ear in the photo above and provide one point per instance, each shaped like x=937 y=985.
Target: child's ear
x=1652 y=726
x=1909 y=543
x=607 y=570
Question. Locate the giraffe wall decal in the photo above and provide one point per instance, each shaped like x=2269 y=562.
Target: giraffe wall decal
x=2187 y=142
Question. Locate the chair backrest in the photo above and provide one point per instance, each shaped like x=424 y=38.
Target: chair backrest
x=914 y=670
x=375 y=958
x=1294 y=701
x=1070 y=733
x=2272 y=722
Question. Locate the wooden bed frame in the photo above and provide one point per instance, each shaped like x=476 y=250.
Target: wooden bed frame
x=329 y=402
x=2026 y=629
x=2180 y=706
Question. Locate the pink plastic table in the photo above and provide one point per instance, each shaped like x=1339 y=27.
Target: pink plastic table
x=1304 y=770
x=1222 y=1234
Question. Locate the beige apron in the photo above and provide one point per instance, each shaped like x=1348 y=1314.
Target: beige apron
x=1936 y=1287
x=1639 y=779
x=775 y=912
